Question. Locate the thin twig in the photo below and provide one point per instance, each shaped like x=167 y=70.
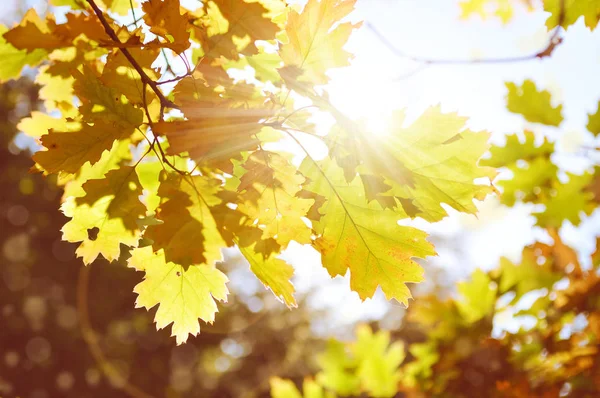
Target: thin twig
x=133 y=13
x=544 y=52
x=175 y=79
x=145 y=79
x=169 y=68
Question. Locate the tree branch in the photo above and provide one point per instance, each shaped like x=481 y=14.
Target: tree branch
x=544 y=52
x=145 y=79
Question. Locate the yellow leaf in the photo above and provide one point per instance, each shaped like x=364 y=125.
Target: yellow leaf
x=362 y=237
x=120 y=7
x=33 y=33
x=105 y=103
x=315 y=45
x=55 y=90
x=119 y=75
x=39 y=123
x=502 y=9
x=68 y=151
x=13 y=59
x=268 y=192
x=274 y=273
x=126 y=187
x=478 y=297
x=165 y=20
x=183 y=295
x=188 y=234
x=103 y=221
x=220 y=125
x=573 y=10
x=244 y=19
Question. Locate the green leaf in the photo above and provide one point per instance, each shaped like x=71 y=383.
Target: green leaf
x=478 y=297
x=534 y=105
x=593 y=125
x=530 y=164
x=526 y=276
x=378 y=362
x=183 y=295
x=419 y=167
x=337 y=370
x=515 y=149
x=363 y=238
x=567 y=201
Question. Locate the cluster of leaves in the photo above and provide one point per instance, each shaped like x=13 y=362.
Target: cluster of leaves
x=169 y=178
x=563 y=13
x=535 y=177
x=452 y=349
x=62 y=336
x=522 y=329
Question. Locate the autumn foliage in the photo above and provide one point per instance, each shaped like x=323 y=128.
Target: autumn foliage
x=166 y=170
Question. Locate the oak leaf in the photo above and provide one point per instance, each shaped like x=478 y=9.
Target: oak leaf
x=68 y=151
x=593 y=124
x=188 y=234
x=316 y=38
x=105 y=103
x=534 y=105
x=33 y=33
x=165 y=19
x=103 y=222
x=573 y=10
x=362 y=237
x=268 y=193
x=273 y=272
x=244 y=20
x=13 y=59
x=183 y=295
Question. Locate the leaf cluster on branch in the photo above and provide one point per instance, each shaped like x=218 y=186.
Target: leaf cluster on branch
x=170 y=178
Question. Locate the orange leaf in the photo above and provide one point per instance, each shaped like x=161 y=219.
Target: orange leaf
x=164 y=20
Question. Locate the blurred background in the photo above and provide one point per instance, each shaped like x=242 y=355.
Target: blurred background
x=67 y=330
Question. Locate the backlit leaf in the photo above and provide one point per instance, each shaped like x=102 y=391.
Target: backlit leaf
x=534 y=105
x=105 y=220
x=478 y=297
x=165 y=20
x=13 y=59
x=68 y=151
x=363 y=238
x=593 y=124
x=573 y=10
x=315 y=43
x=188 y=234
x=183 y=295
